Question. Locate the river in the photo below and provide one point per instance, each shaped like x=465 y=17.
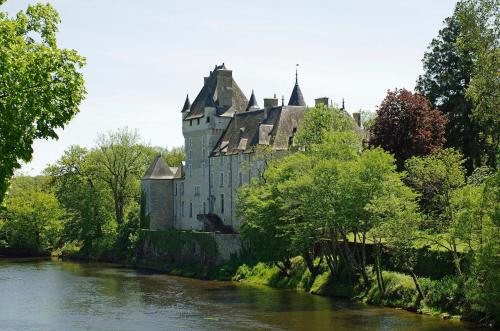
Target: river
x=54 y=295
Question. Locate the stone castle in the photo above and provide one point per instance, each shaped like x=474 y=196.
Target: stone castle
x=221 y=129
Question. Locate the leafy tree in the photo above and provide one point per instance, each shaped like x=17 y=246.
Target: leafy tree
x=434 y=177
x=407 y=125
x=450 y=65
x=41 y=86
x=396 y=218
x=76 y=183
x=122 y=160
x=32 y=221
x=318 y=122
x=480 y=38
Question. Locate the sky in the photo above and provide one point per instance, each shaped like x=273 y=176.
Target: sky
x=143 y=57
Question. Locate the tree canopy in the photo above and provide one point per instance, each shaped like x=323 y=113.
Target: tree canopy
x=407 y=125
x=41 y=87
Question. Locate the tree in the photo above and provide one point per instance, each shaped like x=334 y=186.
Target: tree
x=448 y=70
x=318 y=122
x=480 y=38
x=436 y=177
x=41 y=86
x=32 y=221
x=122 y=161
x=77 y=185
x=407 y=125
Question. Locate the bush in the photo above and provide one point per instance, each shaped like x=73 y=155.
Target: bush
x=445 y=294
x=399 y=292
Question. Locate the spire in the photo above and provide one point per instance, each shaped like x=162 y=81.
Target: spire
x=252 y=103
x=343 y=104
x=187 y=104
x=296 y=99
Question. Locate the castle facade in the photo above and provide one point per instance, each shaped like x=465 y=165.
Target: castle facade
x=222 y=129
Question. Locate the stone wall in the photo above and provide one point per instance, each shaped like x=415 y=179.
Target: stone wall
x=187 y=253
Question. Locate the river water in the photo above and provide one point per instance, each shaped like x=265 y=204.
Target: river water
x=54 y=295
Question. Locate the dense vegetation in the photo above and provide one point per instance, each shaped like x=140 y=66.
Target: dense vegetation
x=86 y=205
x=364 y=216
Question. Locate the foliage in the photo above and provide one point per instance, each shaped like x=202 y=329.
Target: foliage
x=480 y=38
x=320 y=120
x=407 y=125
x=460 y=79
x=41 y=86
x=434 y=177
x=32 y=221
x=121 y=160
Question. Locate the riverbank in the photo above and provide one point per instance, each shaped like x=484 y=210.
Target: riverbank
x=399 y=293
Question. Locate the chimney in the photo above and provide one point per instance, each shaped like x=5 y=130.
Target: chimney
x=321 y=101
x=357 y=118
x=270 y=102
x=225 y=87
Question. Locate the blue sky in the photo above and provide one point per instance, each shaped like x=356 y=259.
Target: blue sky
x=144 y=56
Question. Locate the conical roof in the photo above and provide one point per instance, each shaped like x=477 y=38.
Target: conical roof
x=252 y=103
x=296 y=99
x=187 y=104
x=159 y=170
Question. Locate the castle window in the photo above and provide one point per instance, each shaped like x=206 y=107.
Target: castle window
x=222 y=203
x=182 y=208
x=203 y=167
x=175 y=193
x=208 y=119
x=190 y=172
x=197 y=190
x=221 y=179
x=182 y=189
x=197 y=121
x=190 y=209
x=241 y=179
x=189 y=155
x=190 y=122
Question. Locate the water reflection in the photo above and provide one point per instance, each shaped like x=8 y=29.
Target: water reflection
x=52 y=295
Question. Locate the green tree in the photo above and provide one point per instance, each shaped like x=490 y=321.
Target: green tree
x=318 y=122
x=41 y=86
x=122 y=160
x=32 y=221
x=77 y=185
x=452 y=63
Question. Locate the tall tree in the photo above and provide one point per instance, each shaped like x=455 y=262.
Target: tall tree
x=448 y=70
x=480 y=37
x=407 y=125
x=122 y=160
x=41 y=86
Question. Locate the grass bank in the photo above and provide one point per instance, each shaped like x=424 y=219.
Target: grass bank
x=400 y=290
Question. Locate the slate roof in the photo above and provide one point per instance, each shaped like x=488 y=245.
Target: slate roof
x=207 y=97
x=160 y=170
x=249 y=129
x=187 y=104
x=296 y=99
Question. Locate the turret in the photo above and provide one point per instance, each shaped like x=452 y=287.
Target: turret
x=252 y=103
x=296 y=99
